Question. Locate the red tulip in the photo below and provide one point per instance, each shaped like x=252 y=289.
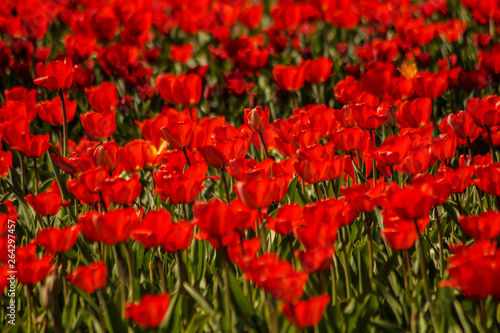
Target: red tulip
x=178 y=237
x=121 y=191
x=56 y=75
x=187 y=89
x=58 y=240
x=32 y=270
x=257 y=118
x=153 y=228
x=392 y=150
x=489 y=178
x=318 y=70
x=369 y=118
x=289 y=78
x=484 y=226
x=431 y=85
x=46 y=203
x=51 y=111
x=181 y=53
x=180 y=187
x=103 y=98
x=474 y=270
x=252 y=60
x=111 y=227
x=180 y=134
x=99 y=126
x=32 y=145
x=214 y=219
x=150 y=311
x=90 y=278
x=414 y=114
x=306 y=313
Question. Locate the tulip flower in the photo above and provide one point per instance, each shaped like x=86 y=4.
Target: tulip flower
x=58 y=240
x=90 y=278
x=150 y=311
x=306 y=313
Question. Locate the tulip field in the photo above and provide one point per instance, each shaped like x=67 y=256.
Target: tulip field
x=246 y=166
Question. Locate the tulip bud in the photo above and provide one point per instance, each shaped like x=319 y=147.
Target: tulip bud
x=257 y=118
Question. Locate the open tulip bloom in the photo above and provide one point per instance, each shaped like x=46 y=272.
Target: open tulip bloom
x=253 y=166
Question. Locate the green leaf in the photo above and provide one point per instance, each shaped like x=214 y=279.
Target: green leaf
x=199 y=299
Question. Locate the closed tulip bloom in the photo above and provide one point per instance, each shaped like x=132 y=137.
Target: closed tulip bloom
x=178 y=237
x=414 y=114
x=187 y=89
x=58 y=240
x=121 y=191
x=103 y=98
x=180 y=134
x=153 y=228
x=489 y=178
x=165 y=85
x=306 y=313
x=431 y=85
x=474 y=270
x=392 y=150
x=90 y=278
x=99 y=126
x=150 y=311
x=369 y=118
x=463 y=125
x=318 y=70
x=484 y=111
x=484 y=226
x=31 y=271
x=180 y=187
x=56 y=75
x=92 y=179
x=409 y=203
x=111 y=227
x=257 y=118
x=50 y=111
x=289 y=78
x=253 y=60
x=181 y=53
x=46 y=203
x=400 y=233
x=214 y=218
x=351 y=138
x=256 y=193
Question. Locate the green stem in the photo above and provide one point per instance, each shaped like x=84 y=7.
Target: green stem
x=226 y=188
x=130 y=271
x=346 y=264
x=423 y=272
x=64 y=148
x=263 y=144
x=186 y=156
x=35 y=169
x=441 y=242
x=370 y=244
x=492 y=148
x=161 y=271
x=121 y=273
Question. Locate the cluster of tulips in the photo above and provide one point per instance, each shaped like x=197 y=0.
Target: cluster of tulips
x=229 y=165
